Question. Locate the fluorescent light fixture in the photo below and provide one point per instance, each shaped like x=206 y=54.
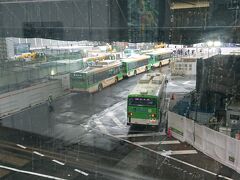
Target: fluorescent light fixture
x=217 y=43
x=210 y=43
x=52 y=72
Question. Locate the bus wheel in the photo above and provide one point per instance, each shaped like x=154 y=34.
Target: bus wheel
x=116 y=80
x=135 y=73
x=100 y=87
x=160 y=64
x=146 y=69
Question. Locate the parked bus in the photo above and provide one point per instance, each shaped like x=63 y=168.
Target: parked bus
x=103 y=56
x=95 y=78
x=145 y=104
x=131 y=52
x=135 y=65
x=160 y=57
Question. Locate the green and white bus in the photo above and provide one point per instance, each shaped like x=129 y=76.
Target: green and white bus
x=160 y=57
x=135 y=65
x=95 y=78
x=145 y=103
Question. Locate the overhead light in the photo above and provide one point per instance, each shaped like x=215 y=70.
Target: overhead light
x=52 y=72
x=210 y=43
x=217 y=43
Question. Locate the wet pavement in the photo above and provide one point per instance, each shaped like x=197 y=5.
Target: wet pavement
x=88 y=138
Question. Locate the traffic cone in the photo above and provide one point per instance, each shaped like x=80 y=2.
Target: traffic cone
x=173 y=96
x=169 y=133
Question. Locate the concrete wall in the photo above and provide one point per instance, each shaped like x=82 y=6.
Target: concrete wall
x=18 y=77
x=15 y=101
x=184 y=68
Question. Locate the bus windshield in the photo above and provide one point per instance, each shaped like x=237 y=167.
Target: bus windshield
x=80 y=77
x=124 y=66
x=139 y=101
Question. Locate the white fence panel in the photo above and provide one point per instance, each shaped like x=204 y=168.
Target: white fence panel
x=189 y=129
x=238 y=157
x=176 y=123
x=218 y=146
x=232 y=152
x=199 y=137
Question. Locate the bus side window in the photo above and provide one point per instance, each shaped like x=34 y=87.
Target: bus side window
x=90 y=79
x=110 y=72
x=116 y=70
x=117 y=56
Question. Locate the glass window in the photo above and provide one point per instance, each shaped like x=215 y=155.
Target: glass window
x=138 y=101
x=234 y=117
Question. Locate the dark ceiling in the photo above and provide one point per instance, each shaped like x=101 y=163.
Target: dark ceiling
x=122 y=20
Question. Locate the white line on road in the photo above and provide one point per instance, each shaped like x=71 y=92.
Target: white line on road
x=21 y=146
x=179 y=152
x=81 y=172
x=172 y=84
x=184 y=152
x=40 y=154
x=169 y=157
x=116 y=120
x=175 y=159
x=196 y=167
x=186 y=82
x=157 y=142
x=58 y=162
x=101 y=126
x=32 y=173
x=141 y=135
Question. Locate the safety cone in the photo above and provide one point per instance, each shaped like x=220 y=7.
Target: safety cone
x=169 y=133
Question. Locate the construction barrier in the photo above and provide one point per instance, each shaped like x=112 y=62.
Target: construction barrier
x=216 y=145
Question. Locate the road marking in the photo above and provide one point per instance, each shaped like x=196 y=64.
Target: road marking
x=40 y=154
x=184 y=152
x=101 y=126
x=186 y=82
x=141 y=135
x=157 y=142
x=81 y=172
x=21 y=146
x=32 y=173
x=179 y=152
x=58 y=162
x=169 y=157
x=172 y=84
x=196 y=167
x=175 y=159
x=116 y=120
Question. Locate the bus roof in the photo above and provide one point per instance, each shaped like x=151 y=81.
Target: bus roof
x=150 y=85
x=100 y=66
x=159 y=52
x=95 y=57
x=136 y=58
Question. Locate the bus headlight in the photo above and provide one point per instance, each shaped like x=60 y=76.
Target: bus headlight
x=130 y=113
x=153 y=115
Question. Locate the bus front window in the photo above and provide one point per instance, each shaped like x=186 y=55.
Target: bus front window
x=135 y=101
